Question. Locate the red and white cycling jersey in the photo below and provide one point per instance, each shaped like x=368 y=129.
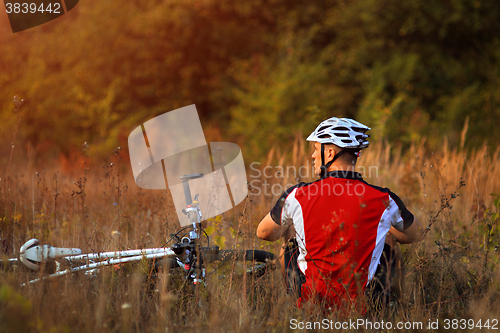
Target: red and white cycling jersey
x=341 y=223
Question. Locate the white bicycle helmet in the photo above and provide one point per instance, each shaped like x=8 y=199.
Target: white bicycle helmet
x=342 y=132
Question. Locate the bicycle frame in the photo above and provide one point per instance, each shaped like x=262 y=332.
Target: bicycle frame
x=186 y=252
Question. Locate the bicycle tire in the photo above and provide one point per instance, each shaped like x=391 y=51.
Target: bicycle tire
x=262 y=261
x=226 y=263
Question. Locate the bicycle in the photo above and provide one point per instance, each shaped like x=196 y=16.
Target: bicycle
x=187 y=254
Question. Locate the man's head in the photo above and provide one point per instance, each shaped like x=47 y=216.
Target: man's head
x=343 y=162
x=337 y=139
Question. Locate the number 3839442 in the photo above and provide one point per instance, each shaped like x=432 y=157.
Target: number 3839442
x=470 y=324
x=25 y=8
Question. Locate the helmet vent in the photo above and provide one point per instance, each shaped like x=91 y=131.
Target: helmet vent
x=323 y=128
x=324 y=136
x=342 y=135
x=359 y=129
x=340 y=129
x=346 y=141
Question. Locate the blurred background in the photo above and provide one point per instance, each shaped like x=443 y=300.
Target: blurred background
x=424 y=75
x=260 y=73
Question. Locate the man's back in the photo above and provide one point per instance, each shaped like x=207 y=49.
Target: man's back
x=341 y=223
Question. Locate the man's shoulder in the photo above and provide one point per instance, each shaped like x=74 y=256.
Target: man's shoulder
x=405 y=213
x=289 y=190
x=278 y=207
x=384 y=190
x=377 y=188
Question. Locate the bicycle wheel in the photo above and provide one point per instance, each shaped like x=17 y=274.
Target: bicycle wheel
x=253 y=262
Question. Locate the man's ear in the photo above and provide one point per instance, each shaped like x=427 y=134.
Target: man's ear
x=331 y=152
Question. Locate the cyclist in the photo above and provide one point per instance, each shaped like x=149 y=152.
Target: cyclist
x=338 y=224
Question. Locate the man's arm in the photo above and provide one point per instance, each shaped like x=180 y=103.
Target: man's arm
x=270 y=230
x=274 y=226
x=412 y=234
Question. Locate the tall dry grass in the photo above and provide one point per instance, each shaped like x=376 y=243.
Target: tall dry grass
x=452 y=273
